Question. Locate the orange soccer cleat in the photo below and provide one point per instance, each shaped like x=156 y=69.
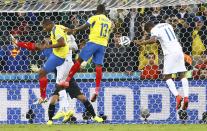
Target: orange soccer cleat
x=185 y=105
x=178 y=102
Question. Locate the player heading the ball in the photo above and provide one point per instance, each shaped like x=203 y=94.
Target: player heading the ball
x=173 y=57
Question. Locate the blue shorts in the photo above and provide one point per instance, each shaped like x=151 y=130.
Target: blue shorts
x=95 y=50
x=52 y=62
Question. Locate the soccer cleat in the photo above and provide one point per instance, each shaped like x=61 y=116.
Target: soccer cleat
x=185 y=105
x=94 y=97
x=14 y=41
x=64 y=84
x=97 y=119
x=68 y=115
x=41 y=101
x=178 y=102
x=59 y=115
x=50 y=122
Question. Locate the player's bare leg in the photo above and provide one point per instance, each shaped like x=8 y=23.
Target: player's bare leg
x=173 y=89
x=185 y=86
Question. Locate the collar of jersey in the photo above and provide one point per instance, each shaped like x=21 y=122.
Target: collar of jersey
x=53 y=28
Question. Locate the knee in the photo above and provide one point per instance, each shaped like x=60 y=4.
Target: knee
x=80 y=60
x=98 y=65
x=82 y=98
x=182 y=75
x=42 y=73
x=54 y=99
x=166 y=77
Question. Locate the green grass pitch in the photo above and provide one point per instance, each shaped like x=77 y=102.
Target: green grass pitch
x=106 y=127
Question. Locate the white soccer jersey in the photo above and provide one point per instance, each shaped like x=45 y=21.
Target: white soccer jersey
x=167 y=38
x=173 y=54
x=62 y=70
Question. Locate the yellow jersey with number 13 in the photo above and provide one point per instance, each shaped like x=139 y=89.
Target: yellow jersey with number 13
x=100 y=29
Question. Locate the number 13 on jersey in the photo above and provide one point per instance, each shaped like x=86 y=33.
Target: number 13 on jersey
x=104 y=30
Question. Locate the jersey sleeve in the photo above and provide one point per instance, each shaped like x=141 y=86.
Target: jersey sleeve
x=91 y=20
x=73 y=44
x=153 y=32
x=59 y=33
x=62 y=27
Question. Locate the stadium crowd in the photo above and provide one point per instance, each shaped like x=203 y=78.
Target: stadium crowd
x=189 y=23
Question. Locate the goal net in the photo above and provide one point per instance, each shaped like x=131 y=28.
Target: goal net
x=132 y=85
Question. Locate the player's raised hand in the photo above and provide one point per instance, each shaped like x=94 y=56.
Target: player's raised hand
x=34 y=68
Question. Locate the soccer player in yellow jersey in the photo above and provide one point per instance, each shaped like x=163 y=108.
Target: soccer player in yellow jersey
x=59 y=52
x=100 y=28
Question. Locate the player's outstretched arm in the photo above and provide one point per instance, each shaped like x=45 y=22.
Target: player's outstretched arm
x=82 y=27
x=73 y=31
x=151 y=40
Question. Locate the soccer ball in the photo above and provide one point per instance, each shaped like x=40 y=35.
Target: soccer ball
x=124 y=41
x=145 y=113
x=183 y=115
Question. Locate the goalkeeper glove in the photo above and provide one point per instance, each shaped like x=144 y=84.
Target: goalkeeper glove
x=34 y=68
x=83 y=64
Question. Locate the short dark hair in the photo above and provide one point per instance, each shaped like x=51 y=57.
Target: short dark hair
x=101 y=9
x=47 y=22
x=148 y=25
x=82 y=40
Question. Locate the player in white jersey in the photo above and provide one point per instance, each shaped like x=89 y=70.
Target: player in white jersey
x=173 y=57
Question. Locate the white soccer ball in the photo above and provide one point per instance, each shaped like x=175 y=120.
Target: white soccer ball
x=124 y=41
x=145 y=113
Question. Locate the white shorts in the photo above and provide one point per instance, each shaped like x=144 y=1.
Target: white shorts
x=62 y=70
x=174 y=63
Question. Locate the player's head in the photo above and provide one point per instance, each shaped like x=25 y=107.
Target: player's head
x=148 y=26
x=47 y=25
x=100 y=9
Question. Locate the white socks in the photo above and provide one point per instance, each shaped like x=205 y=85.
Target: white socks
x=185 y=86
x=172 y=87
x=63 y=101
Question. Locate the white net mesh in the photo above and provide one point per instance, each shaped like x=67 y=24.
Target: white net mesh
x=85 y=5
x=132 y=78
